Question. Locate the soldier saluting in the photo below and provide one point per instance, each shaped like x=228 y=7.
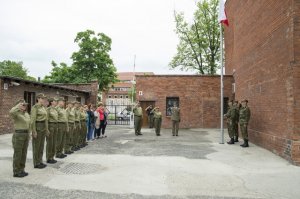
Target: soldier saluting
x=20 y=137
x=138 y=119
x=175 y=117
x=244 y=117
x=157 y=120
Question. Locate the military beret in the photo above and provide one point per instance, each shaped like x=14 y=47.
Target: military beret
x=41 y=95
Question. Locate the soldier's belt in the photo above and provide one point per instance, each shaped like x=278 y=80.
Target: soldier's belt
x=71 y=122
x=61 y=122
x=137 y=116
x=21 y=131
x=76 y=121
x=53 y=122
x=40 y=121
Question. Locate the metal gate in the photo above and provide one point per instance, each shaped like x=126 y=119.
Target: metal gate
x=119 y=111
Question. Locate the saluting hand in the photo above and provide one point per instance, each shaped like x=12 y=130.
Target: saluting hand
x=34 y=134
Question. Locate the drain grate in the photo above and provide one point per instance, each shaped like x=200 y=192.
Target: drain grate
x=81 y=168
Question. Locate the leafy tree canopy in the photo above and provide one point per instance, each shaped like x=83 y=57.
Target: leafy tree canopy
x=14 y=69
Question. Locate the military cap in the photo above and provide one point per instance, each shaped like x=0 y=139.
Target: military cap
x=60 y=99
x=21 y=101
x=245 y=100
x=41 y=95
x=69 y=102
x=51 y=99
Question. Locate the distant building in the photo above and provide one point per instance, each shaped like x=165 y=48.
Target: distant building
x=118 y=97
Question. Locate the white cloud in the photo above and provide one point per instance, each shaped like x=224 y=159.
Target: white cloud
x=37 y=32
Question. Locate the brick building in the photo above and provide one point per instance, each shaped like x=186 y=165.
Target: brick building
x=198 y=97
x=262 y=47
x=12 y=89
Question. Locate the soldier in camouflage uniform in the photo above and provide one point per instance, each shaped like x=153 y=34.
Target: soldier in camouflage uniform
x=244 y=117
x=235 y=127
x=20 y=138
x=230 y=116
x=39 y=125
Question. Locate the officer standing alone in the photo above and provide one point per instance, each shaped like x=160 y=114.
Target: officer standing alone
x=20 y=138
x=175 y=117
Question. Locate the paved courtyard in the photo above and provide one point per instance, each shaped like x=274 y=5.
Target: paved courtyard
x=190 y=166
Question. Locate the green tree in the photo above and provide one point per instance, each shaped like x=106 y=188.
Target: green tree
x=14 y=69
x=199 y=41
x=92 y=60
x=62 y=73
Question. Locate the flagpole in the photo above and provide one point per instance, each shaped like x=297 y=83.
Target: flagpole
x=222 y=87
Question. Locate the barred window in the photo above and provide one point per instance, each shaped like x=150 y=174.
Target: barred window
x=170 y=102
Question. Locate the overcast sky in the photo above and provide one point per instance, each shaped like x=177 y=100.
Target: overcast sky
x=38 y=31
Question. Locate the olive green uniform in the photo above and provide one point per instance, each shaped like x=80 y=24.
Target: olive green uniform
x=175 y=117
x=244 y=117
x=39 y=124
x=157 y=121
x=138 y=119
x=53 y=127
x=20 y=138
x=70 y=133
x=230 y=121
x=83 y=118
x=77 y=130
x=62 y=132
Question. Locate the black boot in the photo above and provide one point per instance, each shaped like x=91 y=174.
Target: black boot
x=236 y=139
x=245 y=143
x=231 y=141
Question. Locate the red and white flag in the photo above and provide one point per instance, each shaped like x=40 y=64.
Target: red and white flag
x=222 y=14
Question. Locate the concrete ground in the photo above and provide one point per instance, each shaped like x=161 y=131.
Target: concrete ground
x=192 y=165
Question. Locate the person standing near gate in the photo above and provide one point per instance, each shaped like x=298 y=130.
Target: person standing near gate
x=63 y=129
x=138 y=118
x=244 y=120
x=39 y=125
x=52 y=125
x=175 y=117
x=157 y=120
x=150 y=116
x=20 y=138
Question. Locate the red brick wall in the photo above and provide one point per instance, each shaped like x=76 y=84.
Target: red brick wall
x=90 y=87
x=10 y=96
x=262 y=45
x=199 y=97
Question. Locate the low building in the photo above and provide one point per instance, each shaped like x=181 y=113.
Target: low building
x=198 y=97
x=13 y=89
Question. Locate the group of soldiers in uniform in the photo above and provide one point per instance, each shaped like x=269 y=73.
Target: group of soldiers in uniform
x=155 y=119
x=238 y=115
x=64 y=130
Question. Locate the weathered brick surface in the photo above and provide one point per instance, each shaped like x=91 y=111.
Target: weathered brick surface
x=10 y=96
x=89 y=87
x=262 y=46
x=199 y=97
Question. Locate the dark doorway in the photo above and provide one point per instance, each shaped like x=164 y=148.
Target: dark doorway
x=144 y=105
x=29 y=97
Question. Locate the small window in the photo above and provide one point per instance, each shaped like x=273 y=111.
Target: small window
x=78 y=99
x=116 y=96
x=126 y=96
x=109 y=96
x=121 y=96
x=171 y=101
